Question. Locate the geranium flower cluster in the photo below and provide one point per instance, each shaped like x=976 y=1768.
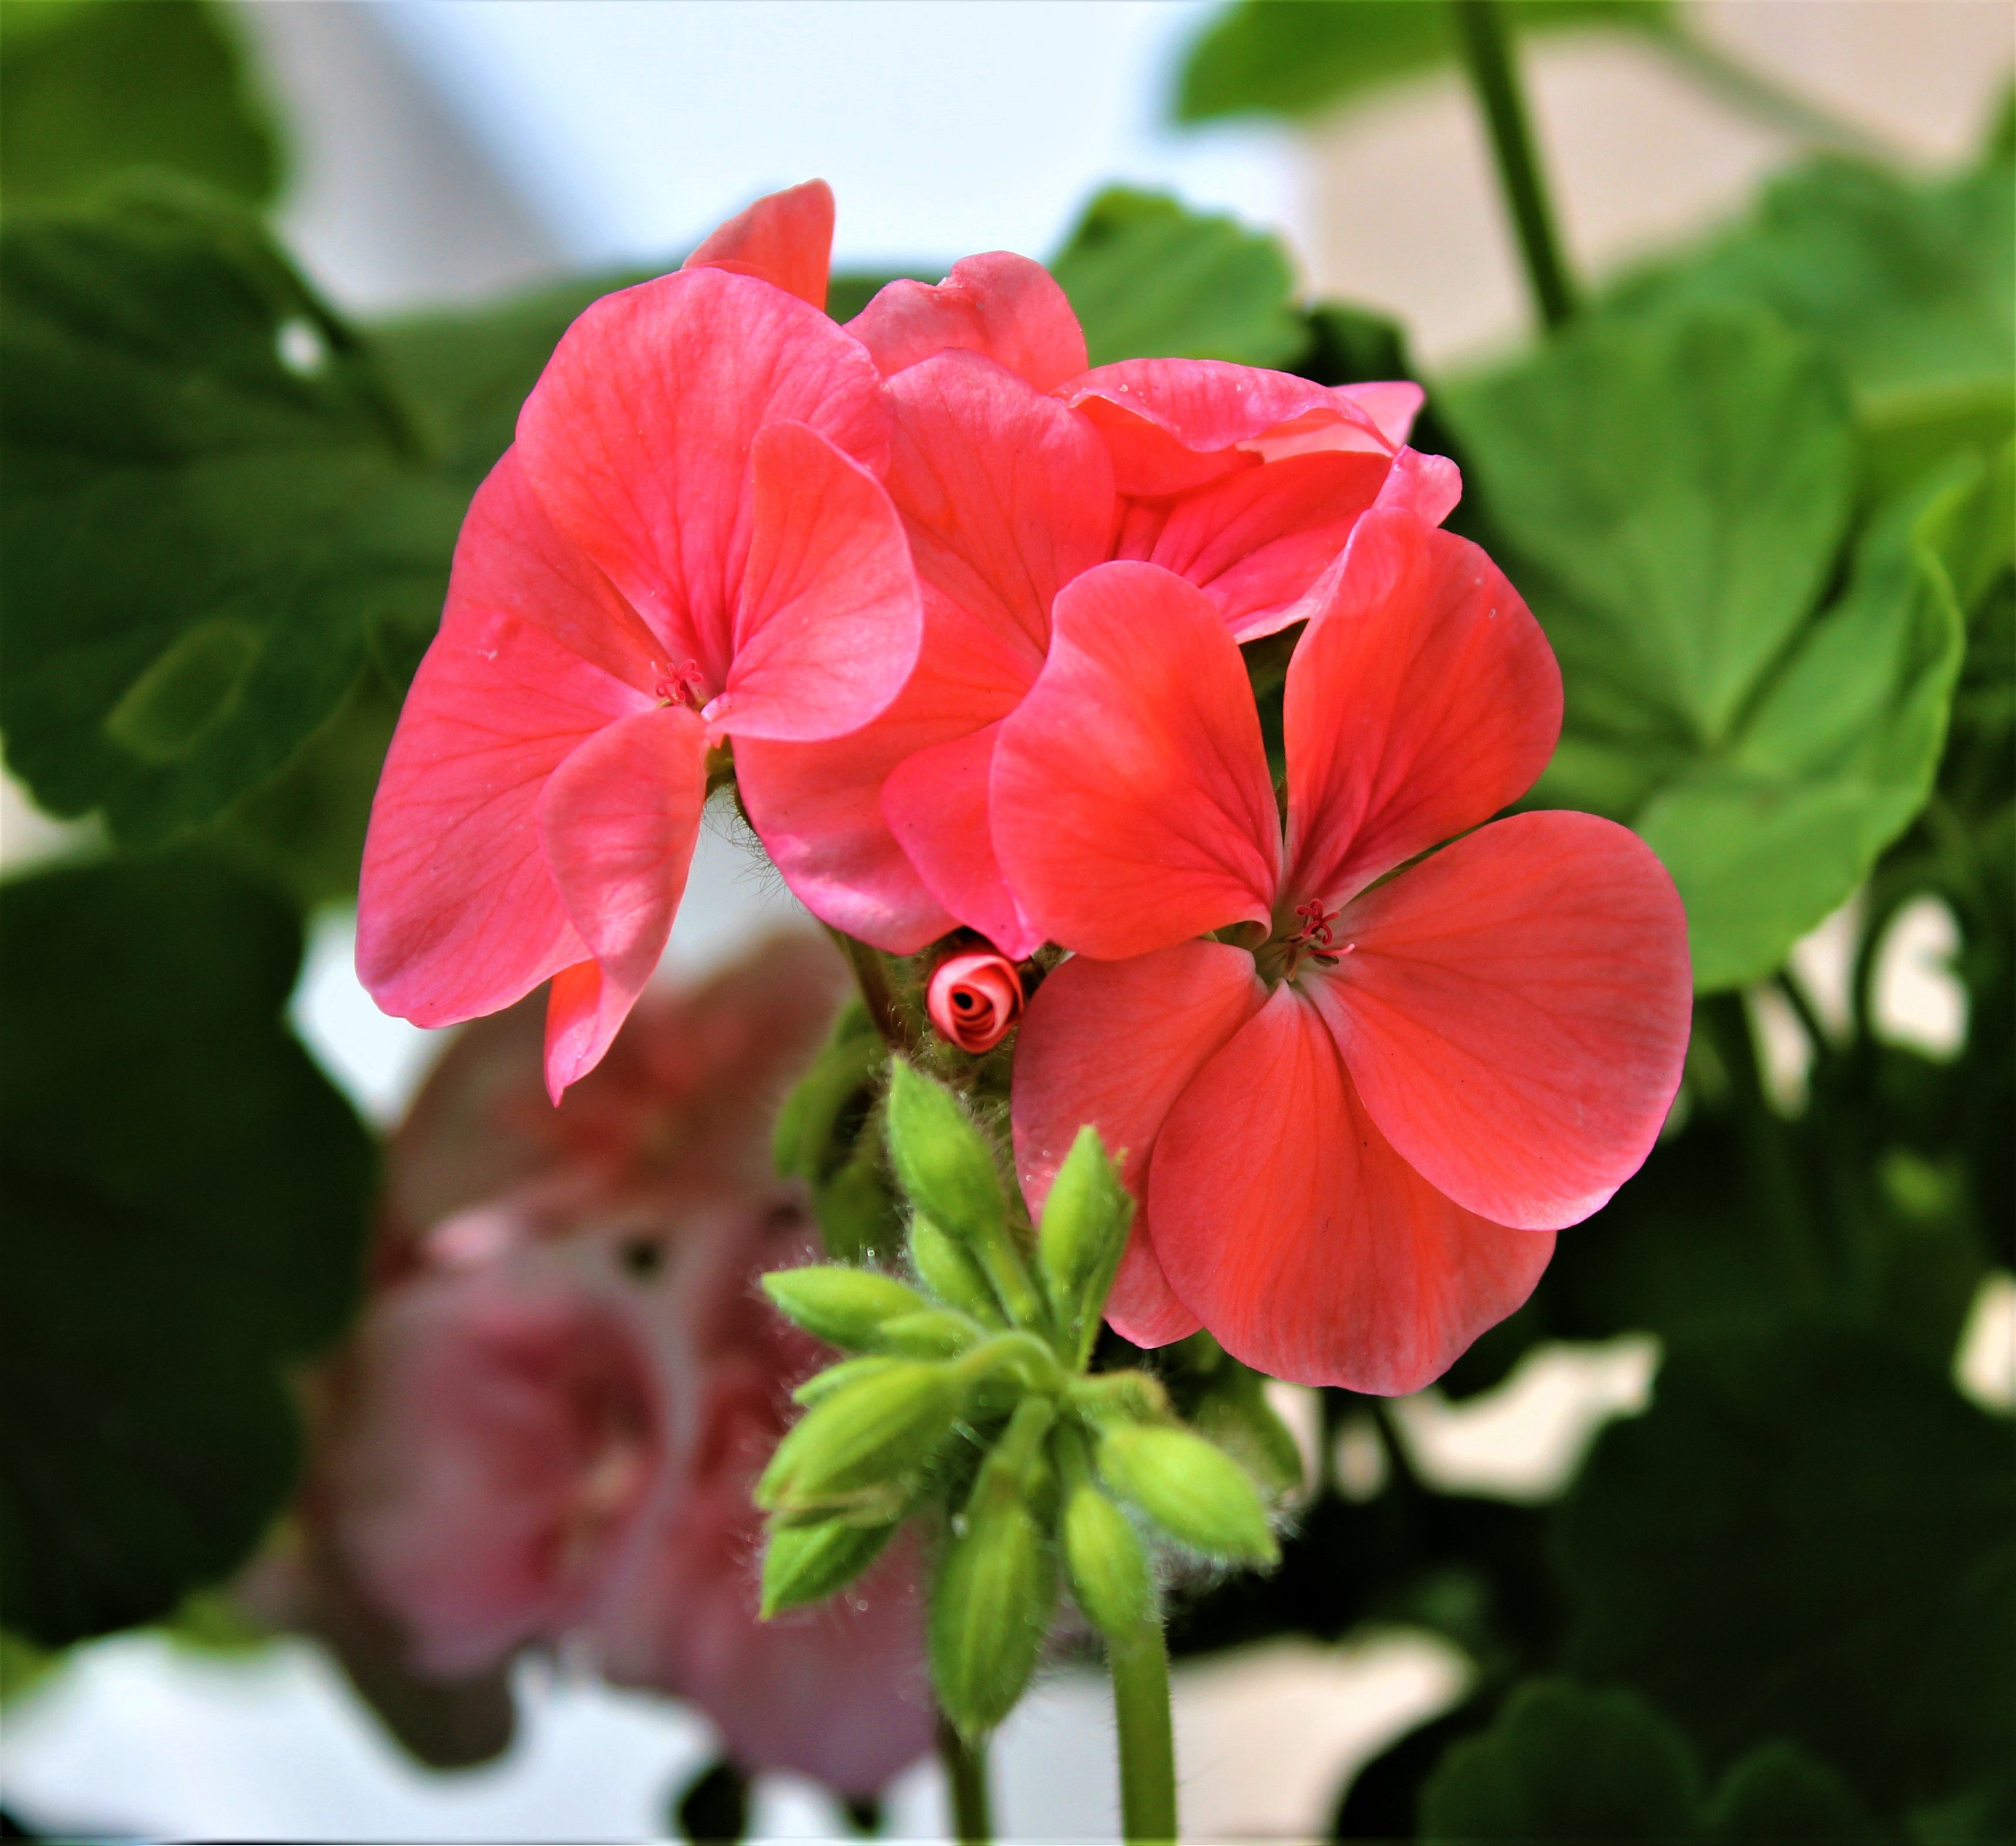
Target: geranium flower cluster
x=962 y=618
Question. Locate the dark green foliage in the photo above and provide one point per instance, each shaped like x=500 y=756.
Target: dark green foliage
x=1809 y=1536
x=210 y=497
x=186 y=1205
x=1299 y=57
x=715 y=1805
x=91 y=88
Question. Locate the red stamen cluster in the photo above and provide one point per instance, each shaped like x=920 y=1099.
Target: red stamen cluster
x=1315 y=940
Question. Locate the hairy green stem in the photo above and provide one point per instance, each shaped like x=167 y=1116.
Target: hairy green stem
x=1487 y=54
x=872 y=977
x=1139 y=1663
x=966 y=1780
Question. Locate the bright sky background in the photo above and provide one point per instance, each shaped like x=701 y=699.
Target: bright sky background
x=945 y=126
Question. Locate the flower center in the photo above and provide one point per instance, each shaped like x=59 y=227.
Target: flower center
x=1314 y=940
x=682 y=685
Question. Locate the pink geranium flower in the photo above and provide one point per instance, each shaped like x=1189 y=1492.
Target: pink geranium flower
x=688 y=544
x=1356 y=1106
x=1016 y=471
x=545 y=1427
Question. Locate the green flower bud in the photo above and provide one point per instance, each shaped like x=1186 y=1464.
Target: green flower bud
x=1107 y=1564
x=1123 y=1397
x=940 y=1159
x=855 y=1208
x=802 y=1144
x=996 y=1586
x=931 y=1333
x=1196 y=1493
x=802 y=1563
x=1234 y=1414
x=1084 y=1232
x=856 y=1453
x=823 y=1385
x=845 y=1307
x=947 y=1267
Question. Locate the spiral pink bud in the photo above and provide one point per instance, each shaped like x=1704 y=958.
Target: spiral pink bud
x=973 y=999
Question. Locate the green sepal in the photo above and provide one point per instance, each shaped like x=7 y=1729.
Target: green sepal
x=856 y=1453
x=1120 y=1397
x=802 y=1563
x=1081 y=1239
x=835 y=1379
x=1196 y=1493
x=845 y=1306
x=856 y=1210
x=1234 y=1414
x=940 y=1159
x=931 y=1333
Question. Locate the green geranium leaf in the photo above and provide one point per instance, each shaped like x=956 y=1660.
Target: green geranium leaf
x=1298 y=57
x=1681 y=485
x=1767 y=837
x=1686 y=481
x=1150 y=279
x=1809 y=1536
x=1907 y=285
x=89 y=89
x=187 y=1198
x=210 y=497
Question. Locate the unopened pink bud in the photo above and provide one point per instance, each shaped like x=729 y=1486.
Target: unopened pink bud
x=973 y=999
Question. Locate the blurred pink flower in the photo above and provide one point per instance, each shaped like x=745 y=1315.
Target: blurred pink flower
x=688 y=542
x=544 y=1430
x=1015 y=470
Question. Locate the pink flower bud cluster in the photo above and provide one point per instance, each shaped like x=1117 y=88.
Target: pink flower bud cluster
x=969 y=614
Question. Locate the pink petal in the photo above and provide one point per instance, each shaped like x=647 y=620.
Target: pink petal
x=1422 y=699
x=828 y=621
x=1114 y=1043
x=1514 y=1011
x=1257 y=540
x=818 y=807
x=618 y=819
x=1131 y=803
x=1002 y=306
x=1391 y=404
x=457 y=912
x=1006 y=495
x=1172 y=425
x=637 y=438
x=1307 y=1246
x=936 y=804
x=1428 y=486
x=785 y=238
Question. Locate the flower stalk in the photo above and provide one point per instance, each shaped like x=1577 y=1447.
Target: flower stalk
x=1487 y=56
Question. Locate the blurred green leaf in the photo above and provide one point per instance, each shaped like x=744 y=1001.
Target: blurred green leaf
x=209 y=498
x=186 y=1202
x=1908 y=286
x=1808 y=1536
x=1150 y=279
x=1298 y=57
x=1562 y=1763
x=89 y=89
x=1686 y=480
x=1767 y=837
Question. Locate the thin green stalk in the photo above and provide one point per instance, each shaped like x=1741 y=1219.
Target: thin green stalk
x=966 y=1778
x=1487 y=53
x=1768 y=1152
x=1762 y=100
x=1139 y=1663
